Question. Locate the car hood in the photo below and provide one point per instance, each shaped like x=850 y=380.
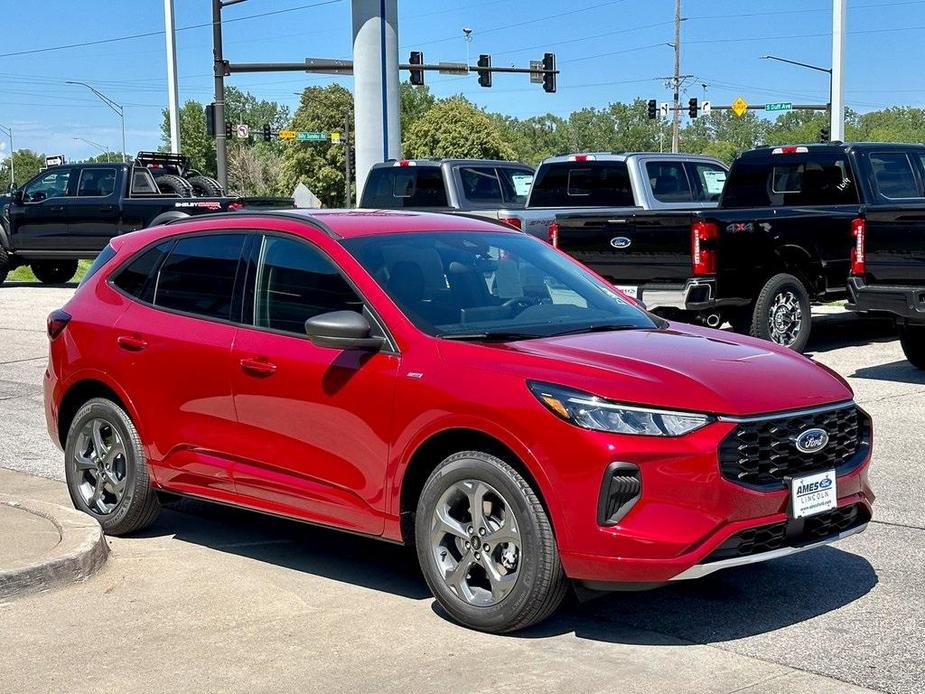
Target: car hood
x=684 y=367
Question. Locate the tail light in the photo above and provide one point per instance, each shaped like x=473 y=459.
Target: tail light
x=553 y=234
x=703 y=248
x=57 y=321
x=511 y=221
x=858 y=254
x=232 y=206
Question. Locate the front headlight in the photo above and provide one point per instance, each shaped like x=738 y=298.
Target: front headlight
x=592 y=412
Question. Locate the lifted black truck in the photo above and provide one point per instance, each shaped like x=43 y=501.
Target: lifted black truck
x=888 y=258
x=70 y=212
x=781 y=238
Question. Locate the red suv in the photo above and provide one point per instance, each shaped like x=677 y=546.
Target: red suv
x=446 y=382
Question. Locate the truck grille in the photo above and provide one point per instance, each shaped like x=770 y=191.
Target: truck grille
x=792 y=533
x=763 y=453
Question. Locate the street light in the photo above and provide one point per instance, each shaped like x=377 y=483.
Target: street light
x=95 y=144
x=808 y=66
x=111 y=104
x=9 y=131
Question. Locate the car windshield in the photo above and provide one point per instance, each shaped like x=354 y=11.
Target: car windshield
x=484 y=285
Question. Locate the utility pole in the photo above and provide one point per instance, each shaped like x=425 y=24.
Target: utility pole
x=172 y=87
x=676 y=113
x=838 y=69
x=348 y=194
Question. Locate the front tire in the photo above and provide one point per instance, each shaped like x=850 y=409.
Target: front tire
x=912 y=339
x=782 y=313
x=486 y=546
x=106 y=469
x=54 y=271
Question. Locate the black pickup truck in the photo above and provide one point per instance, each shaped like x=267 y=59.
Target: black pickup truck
x=69 y=212
x=888 y=258
x=781 y=238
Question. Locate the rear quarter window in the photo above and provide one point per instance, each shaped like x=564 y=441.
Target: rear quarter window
x=104 y=257
x=582 y=184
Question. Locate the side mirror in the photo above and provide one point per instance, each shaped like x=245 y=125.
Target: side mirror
x=342 y=330
x=16 y=196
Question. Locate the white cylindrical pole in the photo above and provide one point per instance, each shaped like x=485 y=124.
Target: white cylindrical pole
x=377 y=129
x=838 y=69
x=172 y=86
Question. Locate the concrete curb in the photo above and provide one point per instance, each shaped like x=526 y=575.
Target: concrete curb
x=80 y=553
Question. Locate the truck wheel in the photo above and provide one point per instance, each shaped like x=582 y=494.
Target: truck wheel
x=486 y=546
x=54 y=271
x=782 y=313
x=205 y=186
x=912 y=339
x=4 y=265
x=168 y=183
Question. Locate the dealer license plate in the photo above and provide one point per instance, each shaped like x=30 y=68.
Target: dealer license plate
x=632 y=292
x=813 y=494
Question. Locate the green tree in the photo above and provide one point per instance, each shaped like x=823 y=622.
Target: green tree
x=195 y=142
x=26 y=164
x=414 y=103
x=897 y=124
x=796 y=127
x=319 y=165
x=104 y=157
x=454 y=128
x=724 y=133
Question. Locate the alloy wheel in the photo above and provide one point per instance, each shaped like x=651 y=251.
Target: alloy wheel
x=785 y=319
x=101 y=466
x=476 y=543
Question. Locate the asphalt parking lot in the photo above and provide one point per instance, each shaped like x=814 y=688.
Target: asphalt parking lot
x=215 y=599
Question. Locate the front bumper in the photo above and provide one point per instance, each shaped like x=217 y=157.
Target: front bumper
x=695 y=295
x=905 y=302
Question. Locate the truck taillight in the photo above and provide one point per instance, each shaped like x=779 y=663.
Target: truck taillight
x=57 y=321
x=235 y=206
x=511 y=221
x=858 y=254
x=703 y=248
x=553 y=234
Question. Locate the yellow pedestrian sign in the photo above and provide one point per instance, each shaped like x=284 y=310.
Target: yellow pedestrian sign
x=335 y=137
x=287 y=134
x=739 y=106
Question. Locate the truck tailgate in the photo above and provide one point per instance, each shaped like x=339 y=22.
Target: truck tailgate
x=895 y=245
x=645 y=247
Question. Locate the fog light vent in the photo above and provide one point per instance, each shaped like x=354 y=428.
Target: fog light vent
x=620 y=490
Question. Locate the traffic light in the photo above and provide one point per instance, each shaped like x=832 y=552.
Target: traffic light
x=352 y=161
x=692 y=107
x=228 y=130
x=653 y=109
x=267 y=133
x=825 y=134
x=417 y=76
x=210 y=120
x=549 y=78
x=484 y=70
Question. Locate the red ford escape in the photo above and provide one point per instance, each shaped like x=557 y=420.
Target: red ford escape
x=450 y=383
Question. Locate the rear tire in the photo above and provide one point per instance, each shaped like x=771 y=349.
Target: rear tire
x=495 y=570
x=912 y=339
x=4 y=265
x=106 y=470
x=54 y=271
x=782 y=313
x=205 y=186
x=169 y=183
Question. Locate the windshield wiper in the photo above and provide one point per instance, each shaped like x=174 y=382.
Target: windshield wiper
x=608 y=327
x=498 y=336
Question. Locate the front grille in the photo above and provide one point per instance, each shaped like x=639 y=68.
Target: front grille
x=792 y=533
x=763 y=453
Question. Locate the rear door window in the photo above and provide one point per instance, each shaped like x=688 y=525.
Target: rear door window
x=396 y=187
x=669 y=181
x=894 y=175
x=582 y=184
x=198 y=276
x=96 y=183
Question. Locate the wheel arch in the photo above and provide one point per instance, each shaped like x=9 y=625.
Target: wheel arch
x=437 y=447
x=168 y=216
x=797 y=261
x=78 y=393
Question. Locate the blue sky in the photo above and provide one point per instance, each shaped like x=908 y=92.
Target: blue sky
x=607 y=51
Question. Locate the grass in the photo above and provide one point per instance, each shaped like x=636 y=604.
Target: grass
x=24 y=273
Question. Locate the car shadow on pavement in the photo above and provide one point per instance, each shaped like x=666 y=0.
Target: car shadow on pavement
x=727 y=605
x=340 y=556
x=900 y=371
x=15 y=284
x=831 y=332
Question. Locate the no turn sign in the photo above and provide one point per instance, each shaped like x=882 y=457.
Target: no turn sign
x=244 y=131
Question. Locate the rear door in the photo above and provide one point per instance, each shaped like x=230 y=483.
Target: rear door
x=40 y=223
x=895 y=242
x=93 y=212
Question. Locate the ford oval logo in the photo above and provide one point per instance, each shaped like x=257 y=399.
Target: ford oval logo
x=620 y=242
x=812 y=440
x=825 y=483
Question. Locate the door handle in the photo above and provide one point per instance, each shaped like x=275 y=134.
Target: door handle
x=107 y=208
x=133 y=343
x=56 y=208
x=258 y=366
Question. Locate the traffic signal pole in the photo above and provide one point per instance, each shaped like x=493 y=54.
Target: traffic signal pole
x=838 y=69
x=221 y=153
